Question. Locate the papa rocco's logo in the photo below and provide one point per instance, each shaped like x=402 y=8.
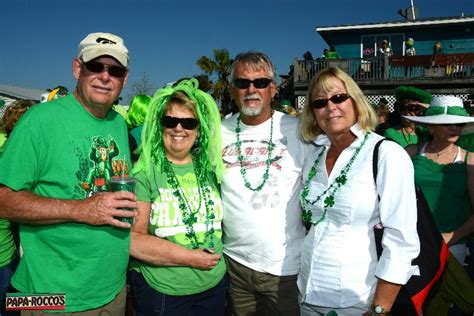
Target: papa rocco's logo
x=22 y=301
x=103 y=40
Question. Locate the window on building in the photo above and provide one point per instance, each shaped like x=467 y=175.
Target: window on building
x=371 y=44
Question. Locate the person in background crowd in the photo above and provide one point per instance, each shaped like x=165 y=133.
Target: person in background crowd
x=308 y=56
x=135 y=119
x=120 y=109
x=176 y=240
x=340 y=271
x=332 y=54
x=445 y=174
x=12 y=114
x=409 y=101
x=72 y=241
x=383 y=114
x=325 y=53
x=385 y=49
x=445 y=171
x=466 y=141
x=8 y=250
x=284 y=106
x=410 y=49
x=437 y=50
x=54 y=94
x=263 y=231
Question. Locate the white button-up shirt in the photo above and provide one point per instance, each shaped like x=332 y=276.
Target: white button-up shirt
x=339 y=265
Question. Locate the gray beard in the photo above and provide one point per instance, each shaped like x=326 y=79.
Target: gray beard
x=248 y=111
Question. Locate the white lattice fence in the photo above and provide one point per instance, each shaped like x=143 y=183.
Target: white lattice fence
x=374 y=99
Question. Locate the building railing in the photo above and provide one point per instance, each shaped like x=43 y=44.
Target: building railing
x=396 y=68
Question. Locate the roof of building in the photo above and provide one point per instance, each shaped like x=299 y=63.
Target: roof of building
x=16 y=92
x=401 y=23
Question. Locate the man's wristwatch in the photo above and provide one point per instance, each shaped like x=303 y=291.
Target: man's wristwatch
x=378 y=310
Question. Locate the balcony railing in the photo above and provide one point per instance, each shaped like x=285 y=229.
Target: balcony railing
x=394 y=68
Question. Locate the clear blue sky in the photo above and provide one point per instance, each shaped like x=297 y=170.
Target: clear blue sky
x=39 y=38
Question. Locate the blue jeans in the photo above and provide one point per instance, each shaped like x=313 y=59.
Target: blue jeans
x=6 y=273
x=149 y=302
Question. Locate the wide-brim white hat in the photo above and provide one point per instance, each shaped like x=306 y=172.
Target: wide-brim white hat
x=443 y=110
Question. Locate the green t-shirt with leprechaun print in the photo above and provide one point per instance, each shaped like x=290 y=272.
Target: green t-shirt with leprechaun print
x=166 y=222
x=60 y=150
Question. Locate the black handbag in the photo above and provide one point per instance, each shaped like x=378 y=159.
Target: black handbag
x=431 y=259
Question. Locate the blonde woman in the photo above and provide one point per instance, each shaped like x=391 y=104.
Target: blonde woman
x=339 y=266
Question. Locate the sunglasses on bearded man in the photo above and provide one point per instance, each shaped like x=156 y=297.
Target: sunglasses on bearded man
x=259 y=83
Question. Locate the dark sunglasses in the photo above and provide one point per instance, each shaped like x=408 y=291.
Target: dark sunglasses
x=258 y=83
x=114 y=71
x=186 y=123
x=412 y=107
x=457 y=125
x=336 y=99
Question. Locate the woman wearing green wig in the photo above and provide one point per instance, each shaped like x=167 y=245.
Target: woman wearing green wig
x=177 y=266
x=135 y=119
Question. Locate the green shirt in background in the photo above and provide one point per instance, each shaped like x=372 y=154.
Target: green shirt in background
x=466 y=142
x=3 y=139
x=7 y=245
x=445 y=189
x=166 y=222
x=395 y=133
x=60 y=150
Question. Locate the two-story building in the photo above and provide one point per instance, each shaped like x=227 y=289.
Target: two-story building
x=443 y=63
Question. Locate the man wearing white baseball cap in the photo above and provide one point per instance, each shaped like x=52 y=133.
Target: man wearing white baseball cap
x=53 y=181
x=99 y=44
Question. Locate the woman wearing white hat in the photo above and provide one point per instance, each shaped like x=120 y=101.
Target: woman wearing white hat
x=444 y=171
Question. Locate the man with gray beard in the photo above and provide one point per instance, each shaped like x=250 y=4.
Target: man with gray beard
x=263 y=229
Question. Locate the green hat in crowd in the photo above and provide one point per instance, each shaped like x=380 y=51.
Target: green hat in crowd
x=285 y=103
x=412 y=93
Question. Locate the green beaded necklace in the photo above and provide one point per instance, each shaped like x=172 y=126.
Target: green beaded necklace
x=188 y=215
x=338 y=182
x=268 y=162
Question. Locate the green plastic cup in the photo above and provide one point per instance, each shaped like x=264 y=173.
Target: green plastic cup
x=123 y=184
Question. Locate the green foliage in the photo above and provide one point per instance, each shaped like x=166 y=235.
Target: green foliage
x=217 y=68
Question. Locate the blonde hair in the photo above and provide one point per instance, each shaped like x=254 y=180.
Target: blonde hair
x=366 y=116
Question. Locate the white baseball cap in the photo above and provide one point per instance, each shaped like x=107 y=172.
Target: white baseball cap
x=99 y=44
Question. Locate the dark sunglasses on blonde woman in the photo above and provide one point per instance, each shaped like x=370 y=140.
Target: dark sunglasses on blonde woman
x=186 y=123
x=336 y=99
x=113 y=70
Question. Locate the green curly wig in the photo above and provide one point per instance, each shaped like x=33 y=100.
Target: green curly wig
x=208 y=154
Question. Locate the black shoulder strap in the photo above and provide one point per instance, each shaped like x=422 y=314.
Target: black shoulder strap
x=375 y=159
